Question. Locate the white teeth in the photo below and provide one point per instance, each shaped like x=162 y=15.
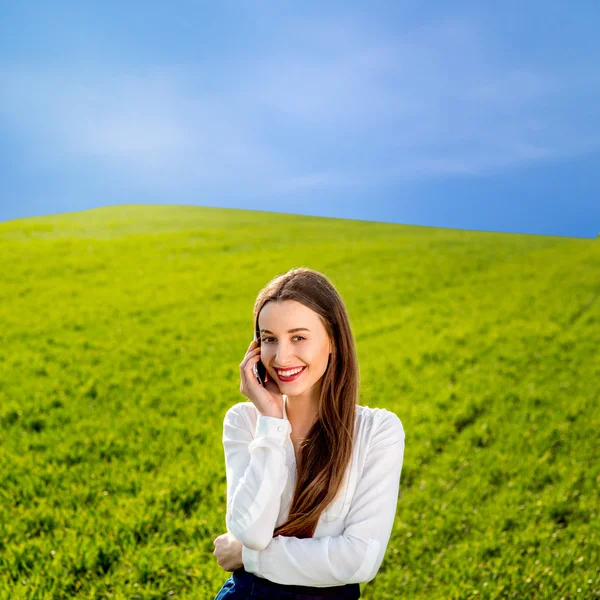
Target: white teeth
x=289 y=373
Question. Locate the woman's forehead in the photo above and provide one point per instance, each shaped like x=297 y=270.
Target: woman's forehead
x=283 y=316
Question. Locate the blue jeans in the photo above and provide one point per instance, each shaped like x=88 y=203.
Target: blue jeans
x=242 y=585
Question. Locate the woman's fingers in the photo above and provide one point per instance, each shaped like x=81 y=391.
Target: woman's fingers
x=248 y=363
x=248 y=368
x=251 y=354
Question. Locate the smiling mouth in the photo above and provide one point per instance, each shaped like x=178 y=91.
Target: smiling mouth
x=291 y=377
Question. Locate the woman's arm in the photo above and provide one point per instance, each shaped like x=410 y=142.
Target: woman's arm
x=256 y=475
x=356 y=555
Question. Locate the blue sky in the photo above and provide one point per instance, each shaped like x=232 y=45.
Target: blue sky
x=466 y=115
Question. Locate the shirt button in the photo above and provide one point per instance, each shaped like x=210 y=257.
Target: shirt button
x=279 y=428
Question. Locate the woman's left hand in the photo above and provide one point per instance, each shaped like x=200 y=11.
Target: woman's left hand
x=228 y=551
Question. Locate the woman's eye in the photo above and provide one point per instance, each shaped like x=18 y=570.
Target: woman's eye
x=265 y=340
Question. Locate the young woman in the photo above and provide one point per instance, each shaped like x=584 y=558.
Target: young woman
x=312 y=476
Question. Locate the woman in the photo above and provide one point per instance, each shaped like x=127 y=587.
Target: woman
x=312 y=476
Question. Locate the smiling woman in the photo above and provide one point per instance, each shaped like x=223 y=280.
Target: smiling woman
x=312 y=476
x=289 y=357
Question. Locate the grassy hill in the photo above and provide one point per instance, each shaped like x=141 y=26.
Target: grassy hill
x=121 y=333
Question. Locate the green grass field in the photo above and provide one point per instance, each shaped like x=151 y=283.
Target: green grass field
x=121 y=333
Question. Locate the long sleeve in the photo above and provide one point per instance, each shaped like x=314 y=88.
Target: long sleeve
x=256 y=475
x=356 y=555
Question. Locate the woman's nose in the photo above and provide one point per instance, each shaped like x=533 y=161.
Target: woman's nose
x=283 y=358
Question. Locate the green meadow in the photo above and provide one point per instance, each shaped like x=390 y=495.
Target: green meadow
x=121 y=333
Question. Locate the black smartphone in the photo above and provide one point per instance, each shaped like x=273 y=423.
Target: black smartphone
x=259 y=368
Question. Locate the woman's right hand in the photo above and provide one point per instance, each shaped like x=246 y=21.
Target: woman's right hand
x=268 y=400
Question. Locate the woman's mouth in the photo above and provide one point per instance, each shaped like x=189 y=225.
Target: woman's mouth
x=291 y=377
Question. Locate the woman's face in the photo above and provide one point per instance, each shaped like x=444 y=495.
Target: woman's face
x=308 y=347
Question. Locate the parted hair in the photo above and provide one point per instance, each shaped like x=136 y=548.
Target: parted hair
x=326 y=451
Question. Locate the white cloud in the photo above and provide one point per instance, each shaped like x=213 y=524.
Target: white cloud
x=144 y=123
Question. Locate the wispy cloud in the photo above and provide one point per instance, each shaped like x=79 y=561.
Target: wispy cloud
x=142 y=126
x=360 y=108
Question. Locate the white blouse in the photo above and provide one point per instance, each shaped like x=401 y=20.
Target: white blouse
x=352 y=533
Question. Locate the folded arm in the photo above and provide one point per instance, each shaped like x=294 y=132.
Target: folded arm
x=356 y=555
x=256 y=475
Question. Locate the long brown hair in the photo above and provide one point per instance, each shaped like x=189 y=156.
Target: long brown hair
x=327 y=450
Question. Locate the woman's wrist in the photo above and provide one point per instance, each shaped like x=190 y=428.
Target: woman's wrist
x=272 y=414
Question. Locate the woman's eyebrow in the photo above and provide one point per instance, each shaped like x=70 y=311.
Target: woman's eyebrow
x=290 y=331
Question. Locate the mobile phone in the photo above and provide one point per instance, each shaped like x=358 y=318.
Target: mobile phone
x=259 y=368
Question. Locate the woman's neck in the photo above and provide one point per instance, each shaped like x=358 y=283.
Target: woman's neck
x=301 y=414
